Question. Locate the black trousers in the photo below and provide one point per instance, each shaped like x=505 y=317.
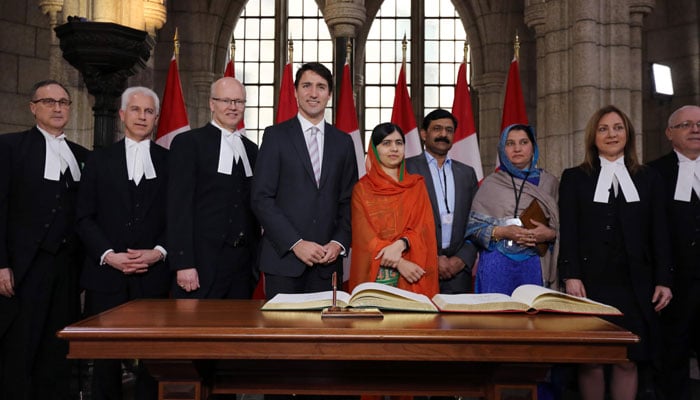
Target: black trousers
x=33 y=362
x=680 y=328
x=107 y=374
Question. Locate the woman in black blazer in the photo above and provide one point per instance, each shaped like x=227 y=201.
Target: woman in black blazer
x=614 y=244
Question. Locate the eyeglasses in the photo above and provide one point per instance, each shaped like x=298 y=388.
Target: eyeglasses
x=230 y=102
x=49 y=102
x=686 y=125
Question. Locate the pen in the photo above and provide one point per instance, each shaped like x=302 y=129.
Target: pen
x=334 y=280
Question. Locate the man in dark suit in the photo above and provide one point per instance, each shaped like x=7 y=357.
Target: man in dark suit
x=680 y=322
x=451 y=187
x=40 y=252
x=212 y=232
x=301 y=192
x=121 y=220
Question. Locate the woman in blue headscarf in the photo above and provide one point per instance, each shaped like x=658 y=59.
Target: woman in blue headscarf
x=509 y=254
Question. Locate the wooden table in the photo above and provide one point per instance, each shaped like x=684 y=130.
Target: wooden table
x=298 y=352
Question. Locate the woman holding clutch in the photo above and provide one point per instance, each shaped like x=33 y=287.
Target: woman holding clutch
x=614 y=243
x=514 y=251
x=393 y=231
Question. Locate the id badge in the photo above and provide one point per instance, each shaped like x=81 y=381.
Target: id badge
x=514 y=221
x=447 y=218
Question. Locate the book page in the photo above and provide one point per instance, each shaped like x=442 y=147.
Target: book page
x=373 y=294
x=305 y=301
x=388 y=290
x=544 y=299
x=477 y=302
x=528 y=293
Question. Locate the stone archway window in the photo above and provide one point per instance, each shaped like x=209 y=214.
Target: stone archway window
x=256 y=32
x=433 y=64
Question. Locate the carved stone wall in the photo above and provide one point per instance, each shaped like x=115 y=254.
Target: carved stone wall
x=575 y=56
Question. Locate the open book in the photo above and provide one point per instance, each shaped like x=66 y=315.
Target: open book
x=525 y=298
x=368 y=294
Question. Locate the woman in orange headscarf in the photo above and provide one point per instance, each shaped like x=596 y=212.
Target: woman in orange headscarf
x=393 y=230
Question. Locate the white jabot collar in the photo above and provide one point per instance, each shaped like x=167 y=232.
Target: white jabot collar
x=138 y=160
x=688 y=178
x=231 y=148
x=614 y=172
x=58 y=157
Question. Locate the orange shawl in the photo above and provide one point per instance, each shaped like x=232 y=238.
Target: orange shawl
x=384 y=210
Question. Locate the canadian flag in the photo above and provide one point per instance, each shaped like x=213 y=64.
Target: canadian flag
x=173 y=114
x=346 y=118
x=466 y=146
x=231 y=72
x=402 y=115
x=514 y=102
x=287 y=107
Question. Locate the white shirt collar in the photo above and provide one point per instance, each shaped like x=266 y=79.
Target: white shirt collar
x=138 y=160
x=611 y=171
x=688 y=178
x=231 y=148
x=306 y=124
x=58 y=157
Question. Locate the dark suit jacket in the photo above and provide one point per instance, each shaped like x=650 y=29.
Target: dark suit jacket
x=584 y=229
x=683 y=220
x=109 y=218
x=35 y=213
x=30 y=205
x=206 y=209
x=466 y=186
x=287 y=201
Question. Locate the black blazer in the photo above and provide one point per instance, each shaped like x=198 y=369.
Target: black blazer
x=465 y=189
x=109 y=218
x=287 y=201
x=207 y=209
x=584 y=229
x=31 y=206
x=683 y=220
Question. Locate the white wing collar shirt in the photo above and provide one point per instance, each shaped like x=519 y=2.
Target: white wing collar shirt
x=614 y=173
x=58 y=158
x=231 y=148
x=688 y=178
x=138 y=160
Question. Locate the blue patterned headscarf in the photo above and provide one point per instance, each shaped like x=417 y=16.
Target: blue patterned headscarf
x=531 y=173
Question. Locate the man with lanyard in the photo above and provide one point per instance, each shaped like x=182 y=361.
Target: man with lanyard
x=451 y=187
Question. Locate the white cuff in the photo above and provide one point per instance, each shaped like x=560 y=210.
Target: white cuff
x=102 y=258
x=162 y=251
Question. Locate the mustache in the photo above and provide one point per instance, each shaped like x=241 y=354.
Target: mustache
x=442 y=139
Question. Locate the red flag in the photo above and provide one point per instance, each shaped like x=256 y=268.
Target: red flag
x=259 y=292
x=346 y=118
x=287 y=107
x=514 y=102
x=466 y=147
x=230 y=71
x=402 y=115
x=173 y=114
x=346 y=121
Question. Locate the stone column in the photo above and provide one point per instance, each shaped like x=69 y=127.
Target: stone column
x=489 y=87
x=589 y=55
x=201 y=81
x=344 y=19
x=638 y=10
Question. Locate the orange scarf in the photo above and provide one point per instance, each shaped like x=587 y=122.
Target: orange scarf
x=384 y=210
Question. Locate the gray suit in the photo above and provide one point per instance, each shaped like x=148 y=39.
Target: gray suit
x=465 y=189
